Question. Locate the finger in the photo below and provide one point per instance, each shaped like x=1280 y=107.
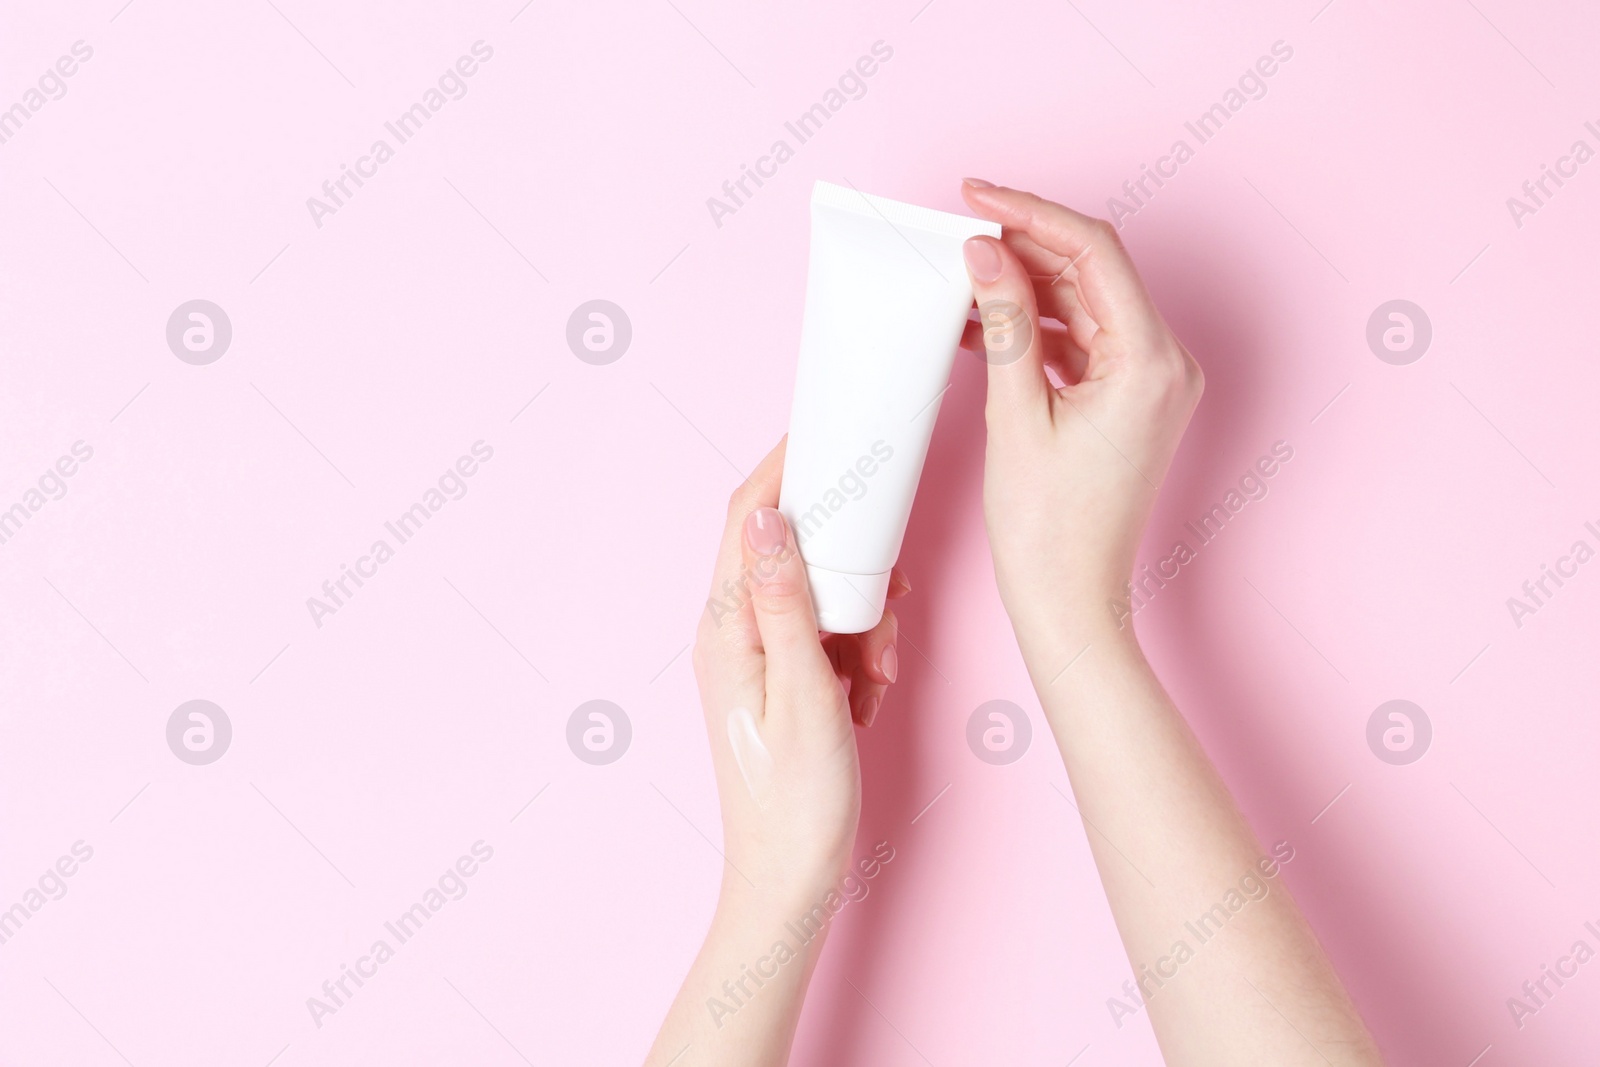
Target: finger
x=840 y=651
x=875 y=649
x=1060 y=350
x=862 y=684
x=1059 y=345
x=1112 y=289
x=875 y=666
x=760 y=489
x=728 y=612
x=780 y=599
x=1010 y=319
x=1060 y=299
x=1055 y=284
x=899 y=584
x=843 y=657
x=1040 y=261
x=866 y=698
x=1064 y=362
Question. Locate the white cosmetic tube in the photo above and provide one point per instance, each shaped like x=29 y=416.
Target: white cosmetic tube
x=887 y=296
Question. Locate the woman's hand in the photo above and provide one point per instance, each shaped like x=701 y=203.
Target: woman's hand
x=1072 y=468
x=1070 y=475
x=780 y=702
x=781 y=705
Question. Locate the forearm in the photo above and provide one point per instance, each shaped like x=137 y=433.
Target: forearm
x=740 y=1002
x=1223 y=960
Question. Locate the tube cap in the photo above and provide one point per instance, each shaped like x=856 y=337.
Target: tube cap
x=847 y=603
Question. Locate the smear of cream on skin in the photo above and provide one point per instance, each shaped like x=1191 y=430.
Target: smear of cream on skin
x=750 y=753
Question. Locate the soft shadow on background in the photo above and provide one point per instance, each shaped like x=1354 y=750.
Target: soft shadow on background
x=1249 y=719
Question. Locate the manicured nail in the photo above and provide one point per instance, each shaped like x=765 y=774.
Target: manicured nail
x=869 y=709
x=977 y=183
x=982 y=259
x=763 y=529
x=889 y=662
x=900 y=582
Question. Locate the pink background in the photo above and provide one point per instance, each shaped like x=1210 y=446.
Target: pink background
x=369 y=353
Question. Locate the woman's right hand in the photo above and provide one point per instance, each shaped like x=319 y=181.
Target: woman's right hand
x=1071 y=471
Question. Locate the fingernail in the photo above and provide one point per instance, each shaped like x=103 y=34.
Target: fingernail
x=982 y=259
x=763 y=529
x=889 y=662
x=977 y=183
x=901 y=582
x=869 y=709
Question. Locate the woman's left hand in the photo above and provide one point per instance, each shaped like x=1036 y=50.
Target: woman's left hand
x=780 y=702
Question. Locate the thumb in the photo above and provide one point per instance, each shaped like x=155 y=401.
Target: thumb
x=781 y=602
x=1009 y=317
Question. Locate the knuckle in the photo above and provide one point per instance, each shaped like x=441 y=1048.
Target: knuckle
x=741 y=502
x=1170 y=371
x=784 y=594
x=779 y=589
x=1169 y=378
x=890 y=624
x=719 y=641
x=1105 y=231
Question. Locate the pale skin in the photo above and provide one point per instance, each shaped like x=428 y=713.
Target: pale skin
x=1074 y=459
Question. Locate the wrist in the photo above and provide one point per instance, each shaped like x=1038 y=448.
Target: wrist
x=1060 y=596
x=771 y=896
x=762 y=919
x=806 y=896
x=1052 y=635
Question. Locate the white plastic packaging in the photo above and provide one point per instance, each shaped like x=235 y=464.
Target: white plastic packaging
x=887 y=296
